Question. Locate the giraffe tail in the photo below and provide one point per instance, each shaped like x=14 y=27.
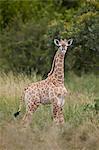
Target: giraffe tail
x=19 y=110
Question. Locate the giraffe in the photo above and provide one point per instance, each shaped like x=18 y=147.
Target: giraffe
x=51 y=90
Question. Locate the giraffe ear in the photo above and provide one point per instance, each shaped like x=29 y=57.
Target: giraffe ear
x=70 y=41
x=56 y=42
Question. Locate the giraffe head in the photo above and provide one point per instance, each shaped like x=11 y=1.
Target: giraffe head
x=63 y=44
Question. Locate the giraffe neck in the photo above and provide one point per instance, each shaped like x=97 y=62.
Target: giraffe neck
x=57 y=71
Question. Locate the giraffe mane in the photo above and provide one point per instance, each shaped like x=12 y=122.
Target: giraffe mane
x=52 y=69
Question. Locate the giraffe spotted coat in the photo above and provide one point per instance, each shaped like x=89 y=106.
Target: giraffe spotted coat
x=48 y=91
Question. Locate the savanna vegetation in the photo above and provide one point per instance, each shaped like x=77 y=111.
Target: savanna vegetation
x=27 y=31
x=81 y=128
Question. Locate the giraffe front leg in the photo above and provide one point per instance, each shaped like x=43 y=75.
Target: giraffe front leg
x=58 y=116
x=55 y=114
x=61 y=116
x=60 y=102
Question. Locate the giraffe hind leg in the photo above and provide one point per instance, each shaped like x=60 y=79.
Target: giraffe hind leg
x=31 y=108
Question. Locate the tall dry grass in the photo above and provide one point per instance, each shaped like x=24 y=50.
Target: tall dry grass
x=81 y=129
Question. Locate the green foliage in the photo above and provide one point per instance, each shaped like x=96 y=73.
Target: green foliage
x=29 y=27
x=84 y=29
x=22 y=46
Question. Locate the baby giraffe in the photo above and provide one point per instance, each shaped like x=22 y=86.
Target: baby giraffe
x=51 y=90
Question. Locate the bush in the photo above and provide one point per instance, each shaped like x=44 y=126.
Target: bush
x=29 y=27
x=84 y=30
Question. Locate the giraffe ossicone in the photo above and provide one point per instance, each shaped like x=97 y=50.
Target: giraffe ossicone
x=51 y=90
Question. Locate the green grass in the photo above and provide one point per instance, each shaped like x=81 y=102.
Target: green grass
x=81 y=128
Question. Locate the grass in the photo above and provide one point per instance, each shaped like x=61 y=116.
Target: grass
x=81 y=128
